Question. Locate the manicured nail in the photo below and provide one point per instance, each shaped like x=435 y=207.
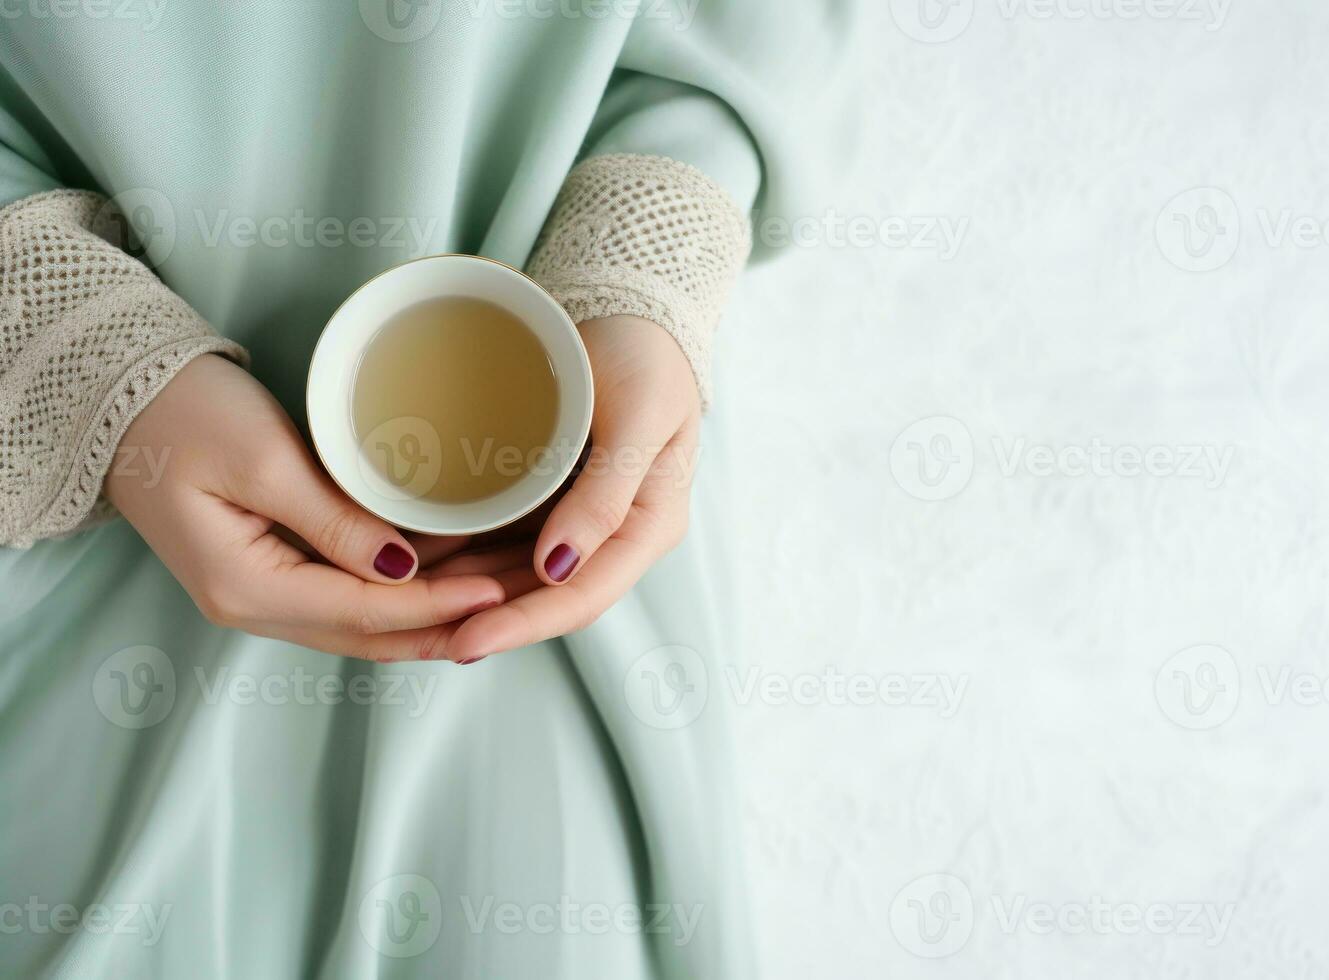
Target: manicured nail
x=471 y=660
x=560 y=563
x=394 y=561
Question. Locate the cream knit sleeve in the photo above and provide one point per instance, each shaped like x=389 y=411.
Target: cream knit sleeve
x=88 y=335
x=647 y=236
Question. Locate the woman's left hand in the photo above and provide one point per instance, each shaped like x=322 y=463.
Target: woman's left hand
x=626 y=508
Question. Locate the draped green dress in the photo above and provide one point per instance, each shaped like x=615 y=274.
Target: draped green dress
x=178 y=800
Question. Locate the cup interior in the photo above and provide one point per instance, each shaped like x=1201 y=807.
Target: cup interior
x=414 y=442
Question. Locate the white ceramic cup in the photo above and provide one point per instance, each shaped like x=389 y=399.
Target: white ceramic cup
x=410 y=446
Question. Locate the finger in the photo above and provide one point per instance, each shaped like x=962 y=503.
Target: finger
x=594 y=507
x=430 y=548
x=665 y=493
x=555 y=610
x=294 y=540
x=305 y=499
x=312 y=595
x=404 y=646
x=511 y=569
x=518 y=581
x=485 y=562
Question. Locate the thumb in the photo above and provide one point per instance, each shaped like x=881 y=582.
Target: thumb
x=594 y=507
x=314 y=507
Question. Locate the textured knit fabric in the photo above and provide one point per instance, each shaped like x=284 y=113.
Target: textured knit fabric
x=647 y=236
x=88 y=335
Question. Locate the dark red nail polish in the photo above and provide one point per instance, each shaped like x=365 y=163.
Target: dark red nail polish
x=472 y=660
x=560 y=563
x=394 y=561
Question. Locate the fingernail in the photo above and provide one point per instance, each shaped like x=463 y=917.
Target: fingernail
x=471 y=660
x=394 y=561
x=560 y=563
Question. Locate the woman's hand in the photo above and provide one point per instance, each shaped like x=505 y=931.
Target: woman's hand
x=626 y=508
x=234 y=473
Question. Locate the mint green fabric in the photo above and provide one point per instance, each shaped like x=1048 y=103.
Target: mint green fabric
x=218 y=805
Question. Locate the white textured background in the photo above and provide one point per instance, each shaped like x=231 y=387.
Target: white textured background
x=1078 y=767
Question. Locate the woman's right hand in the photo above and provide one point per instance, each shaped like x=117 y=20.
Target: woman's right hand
x=209 y=474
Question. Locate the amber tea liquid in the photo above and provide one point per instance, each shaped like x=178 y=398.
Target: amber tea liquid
x=478 y=375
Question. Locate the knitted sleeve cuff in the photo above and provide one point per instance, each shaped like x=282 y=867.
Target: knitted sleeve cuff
x=646 y=236
x=88 y=336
